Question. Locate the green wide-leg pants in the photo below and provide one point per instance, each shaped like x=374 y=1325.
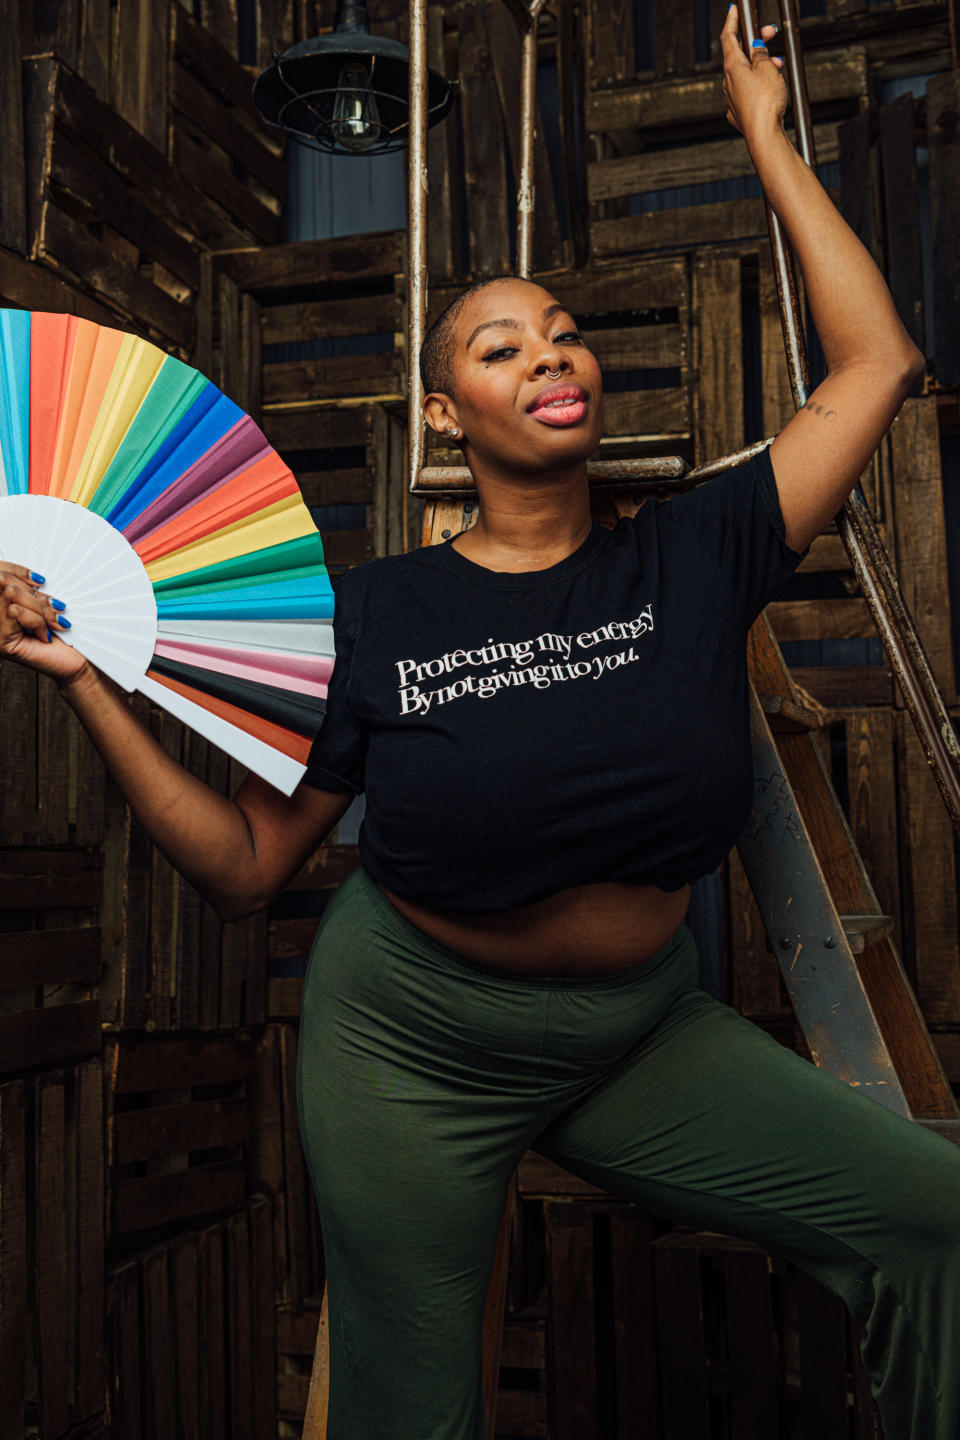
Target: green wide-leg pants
x=423 y=1079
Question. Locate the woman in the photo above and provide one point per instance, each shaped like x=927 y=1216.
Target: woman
x=550 y=723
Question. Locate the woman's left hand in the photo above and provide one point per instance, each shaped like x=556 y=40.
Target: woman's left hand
x=754 y=88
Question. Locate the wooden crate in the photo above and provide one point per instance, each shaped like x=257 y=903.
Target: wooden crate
x=170 y=963
x=50 y=957
x=750 y=1342
x=51 y=1252
x=107 y=212
x=51 y=778
x=333 y=300
x=290 y=938
x=349 y=456
x=217 y=137
x=601 y=1337
x=190 y=1334
x=296 y=1330
x=178 y=1118
x=522 y=1395
x=277 y=1166
x=660 y=137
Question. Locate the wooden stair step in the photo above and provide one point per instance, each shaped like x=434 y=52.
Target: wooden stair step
x=947 y=1129
x=864 y=930
x=789 y=717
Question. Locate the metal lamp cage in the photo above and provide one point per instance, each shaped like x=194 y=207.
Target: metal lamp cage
x=299 y=91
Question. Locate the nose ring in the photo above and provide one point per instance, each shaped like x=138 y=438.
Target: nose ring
x=553 y=374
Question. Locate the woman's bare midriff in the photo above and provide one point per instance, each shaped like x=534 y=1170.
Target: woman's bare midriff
x=589 y=930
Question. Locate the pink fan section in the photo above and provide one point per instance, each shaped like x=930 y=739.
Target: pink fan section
x=304 y=674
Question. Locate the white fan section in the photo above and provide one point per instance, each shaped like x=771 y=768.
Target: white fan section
x=95 y=571
x=279 y=770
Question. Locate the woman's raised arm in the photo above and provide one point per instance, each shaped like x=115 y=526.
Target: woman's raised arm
x=871 y=361
x=238 y=853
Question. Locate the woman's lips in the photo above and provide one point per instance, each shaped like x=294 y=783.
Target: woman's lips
x=569 y=412
x=564 y=404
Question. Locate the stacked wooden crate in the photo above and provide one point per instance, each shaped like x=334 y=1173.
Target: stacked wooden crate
x=312 y=340
x=127 y=1184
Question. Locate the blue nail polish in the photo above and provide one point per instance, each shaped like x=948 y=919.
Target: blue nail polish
x=759 y=44
x=40 y=579
x=57 y=604
x=50 y=635
x=65 y=623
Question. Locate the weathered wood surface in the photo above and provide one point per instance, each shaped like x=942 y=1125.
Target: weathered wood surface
x=658 y=104
x=930 y=896
x=336 y=263
x=139 y=55
x=13 y=199
x=686 y=165
x=944 y=142
x=277 y=1166
x=521 y=1400
x=484 y=160
x=171 y=1129
x=901 y=202
x=13 y=1260
x=872 y=788
x=719 y=343
x=75 y=187
x=714 y=1299
x=686 y=226
x=920 y=531
x=51 y=1253
x=190 y=1342
x=214 y=125
x=573 y=1376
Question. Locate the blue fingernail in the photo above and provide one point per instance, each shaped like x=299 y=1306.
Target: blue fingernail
x=759 y=44
x=63 y=622
x=40 y=579
x=57 y=604
x=49 y=634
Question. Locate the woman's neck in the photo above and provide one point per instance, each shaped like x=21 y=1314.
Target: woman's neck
x=528 y=522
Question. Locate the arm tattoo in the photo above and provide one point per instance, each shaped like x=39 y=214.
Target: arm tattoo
x=813 y=408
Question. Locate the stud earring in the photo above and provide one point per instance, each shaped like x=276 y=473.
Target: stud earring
x=452 y=431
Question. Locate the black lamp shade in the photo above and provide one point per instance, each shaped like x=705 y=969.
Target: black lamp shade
x=299 y=91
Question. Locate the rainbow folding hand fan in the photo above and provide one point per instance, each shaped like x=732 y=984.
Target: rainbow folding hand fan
x=178 y=539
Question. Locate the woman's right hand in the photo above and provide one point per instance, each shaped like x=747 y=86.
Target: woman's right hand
x=27 y=619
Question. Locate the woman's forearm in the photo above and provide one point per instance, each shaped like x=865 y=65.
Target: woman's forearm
x=855 y=317
x=203 y=834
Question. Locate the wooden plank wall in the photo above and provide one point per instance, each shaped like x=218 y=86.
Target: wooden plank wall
x=132 y=1215
x=147 y=1052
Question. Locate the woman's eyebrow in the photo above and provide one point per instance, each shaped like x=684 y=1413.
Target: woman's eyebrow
x=491 y=325
x=507 y=324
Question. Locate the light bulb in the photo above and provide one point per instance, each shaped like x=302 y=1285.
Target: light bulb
x=356 y=121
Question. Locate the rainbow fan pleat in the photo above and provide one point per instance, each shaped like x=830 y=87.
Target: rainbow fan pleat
x=244 y=604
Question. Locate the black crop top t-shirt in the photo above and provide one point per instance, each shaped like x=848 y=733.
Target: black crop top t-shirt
x=520 y=734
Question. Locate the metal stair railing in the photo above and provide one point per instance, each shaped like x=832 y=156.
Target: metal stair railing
x=855 y=522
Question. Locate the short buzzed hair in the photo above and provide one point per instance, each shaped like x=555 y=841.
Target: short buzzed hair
x=436 y=352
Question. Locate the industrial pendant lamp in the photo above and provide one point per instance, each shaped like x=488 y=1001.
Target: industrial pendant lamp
x=346 y=92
